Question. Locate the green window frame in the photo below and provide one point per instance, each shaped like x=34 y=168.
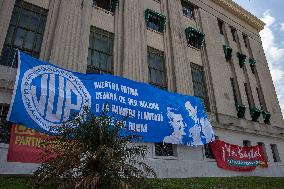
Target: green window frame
x=228 y=52
x=25 y=32
x=252 y=63
x=100 y=53
x=194 y=37
x=255 y=113
x=155 y=20
x=242 y=59
x=157 y=68
x=266 y=117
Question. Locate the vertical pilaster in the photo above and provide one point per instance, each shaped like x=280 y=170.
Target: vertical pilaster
x=171 y=80
x=118 y=49
x=181 y=68
x=49 y=32
x=207 y=70
x=134 y=39
x=69 y=48
x=6 y=9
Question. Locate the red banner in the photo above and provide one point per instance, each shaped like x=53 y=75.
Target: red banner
x=25 y=145
x=238 y=158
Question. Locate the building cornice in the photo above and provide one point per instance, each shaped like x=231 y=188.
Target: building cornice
x=241 y=13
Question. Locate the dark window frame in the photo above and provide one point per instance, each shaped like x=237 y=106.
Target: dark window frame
x=5 y=126
x=234 y=34
x=161 y=149
x=247 y=91
x=246 y=42
x=108 y=5
x=188 y=9
x=262 y=145
x=196 y=84
x=221 y=26
x=164 y=149
x=25 y=32
x=194 y=41
x=246 y=143
x=102 y=67
x=152 y=69
x=275 y=153
x=208 y=152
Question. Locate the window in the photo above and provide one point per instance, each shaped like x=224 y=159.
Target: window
x=164 y=149
x=234 y=34
x=199 y=85
x=157 y=78
x=25 y=32
x=266 y=115
x=228 y=52
x=108 y=5
x=157 y=70
x=241 y=109
x=275 y=153
x=187 y=9
x=100 y=54
x=245 y=37
x=247 y=94
x=194 y=37
x=4 y=125
x=221 y=26
x=234 y=90
x=246 y=143
x=262 y=146
x=155 y=21
x=259 y=98
x=208 y=150
x=242 y=59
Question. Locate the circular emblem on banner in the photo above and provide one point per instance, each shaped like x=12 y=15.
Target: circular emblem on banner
x=51 y=95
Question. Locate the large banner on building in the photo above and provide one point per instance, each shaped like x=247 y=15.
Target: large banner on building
x=25 y=145
x=238 y=158
x=45 y=96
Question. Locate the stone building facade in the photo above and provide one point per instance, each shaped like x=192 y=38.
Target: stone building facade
x=192 y=47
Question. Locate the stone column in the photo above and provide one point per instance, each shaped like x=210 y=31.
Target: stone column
x=180 y=65
x=134 y=44
x=118 y=48
x=6 y=9
x=69 y=47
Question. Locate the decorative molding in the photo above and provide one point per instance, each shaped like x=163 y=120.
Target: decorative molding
x=241 y=13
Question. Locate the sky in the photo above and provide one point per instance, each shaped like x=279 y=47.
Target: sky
x=271 y=12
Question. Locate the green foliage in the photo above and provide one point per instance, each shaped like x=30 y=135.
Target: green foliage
x=187 y=183
x=220 y=183
x=94 y=155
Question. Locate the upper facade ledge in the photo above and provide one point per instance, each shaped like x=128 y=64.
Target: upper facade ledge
x=241 y=13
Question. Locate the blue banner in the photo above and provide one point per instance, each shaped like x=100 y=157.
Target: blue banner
x=45 y=96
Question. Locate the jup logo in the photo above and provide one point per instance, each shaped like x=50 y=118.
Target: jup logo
x=50 y=95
